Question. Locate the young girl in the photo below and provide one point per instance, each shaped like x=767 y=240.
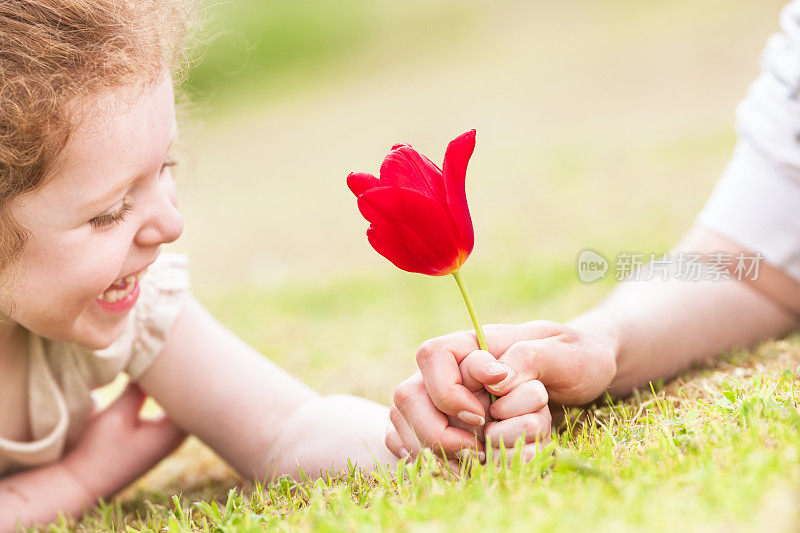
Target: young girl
x=87 y=199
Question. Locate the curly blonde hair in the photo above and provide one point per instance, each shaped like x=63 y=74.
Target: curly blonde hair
x=54 y=53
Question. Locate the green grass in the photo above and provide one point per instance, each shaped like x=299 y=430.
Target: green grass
x=717 y=450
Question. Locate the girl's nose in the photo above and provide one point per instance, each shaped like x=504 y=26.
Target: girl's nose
x=163 y=223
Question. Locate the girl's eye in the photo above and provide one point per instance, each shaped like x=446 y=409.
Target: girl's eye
x=119 y=215
x=112 y=218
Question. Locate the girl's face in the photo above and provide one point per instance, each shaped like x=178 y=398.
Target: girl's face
x=100 y=219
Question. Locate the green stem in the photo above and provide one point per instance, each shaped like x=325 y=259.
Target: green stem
x=473 y=315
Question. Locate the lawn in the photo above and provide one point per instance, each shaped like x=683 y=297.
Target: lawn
x=715 y=451
x=600 y=124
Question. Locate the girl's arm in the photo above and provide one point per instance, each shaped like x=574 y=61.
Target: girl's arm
x=35 y=497
x=260 y=419
x=115 y=449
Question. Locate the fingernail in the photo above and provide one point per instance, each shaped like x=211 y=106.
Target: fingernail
x=471 y=418
x=467 y=453
x=496 y=369
x=497 y=387
x=404 y=453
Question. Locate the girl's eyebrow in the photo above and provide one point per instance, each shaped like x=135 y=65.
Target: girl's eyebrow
x=107 y=197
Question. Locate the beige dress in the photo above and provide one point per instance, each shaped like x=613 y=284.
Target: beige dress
x=61 y=375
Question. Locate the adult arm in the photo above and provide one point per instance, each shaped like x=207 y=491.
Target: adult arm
x=656 y=329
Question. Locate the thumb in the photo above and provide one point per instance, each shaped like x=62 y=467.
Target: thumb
x=481 y=368
x=523 y=361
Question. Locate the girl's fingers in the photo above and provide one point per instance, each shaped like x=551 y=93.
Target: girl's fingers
x=481 y=368
x=128 y=403
x=160 y=434
x=408 y=440
x=533 y=426
x=527 y=397
x=123 y=412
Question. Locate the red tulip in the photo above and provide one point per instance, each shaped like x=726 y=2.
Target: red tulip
x=418 y=214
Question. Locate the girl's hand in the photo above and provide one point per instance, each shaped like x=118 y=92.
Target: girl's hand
x=117 y=446
x=442 y=400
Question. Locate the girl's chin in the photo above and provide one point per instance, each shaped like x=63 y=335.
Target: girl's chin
x=99 y=329
x=99 y=340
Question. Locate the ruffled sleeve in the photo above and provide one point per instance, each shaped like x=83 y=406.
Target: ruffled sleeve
x=161 y=304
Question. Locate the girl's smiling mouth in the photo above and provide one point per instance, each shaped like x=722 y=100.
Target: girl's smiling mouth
x=121 y=295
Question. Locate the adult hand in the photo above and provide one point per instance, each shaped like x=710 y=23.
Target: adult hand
x=449 y=394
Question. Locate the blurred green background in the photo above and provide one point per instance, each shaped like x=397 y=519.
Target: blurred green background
x=601 y=124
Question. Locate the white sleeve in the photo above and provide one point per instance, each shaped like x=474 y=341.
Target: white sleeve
x=756 y=202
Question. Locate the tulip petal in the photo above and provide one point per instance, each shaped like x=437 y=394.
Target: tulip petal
x=361 y=182
x=394 y=243
x=456 y=159
x=407 y=168
x=411 y=230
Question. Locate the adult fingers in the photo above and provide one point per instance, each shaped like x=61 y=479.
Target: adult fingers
x=526 y=361
x=481 y=368
x=408 y=439
x=574 y=367
x=438 y=361
x=534 y=427
x=429 y=424
x=394 y=443
x=527 y=397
